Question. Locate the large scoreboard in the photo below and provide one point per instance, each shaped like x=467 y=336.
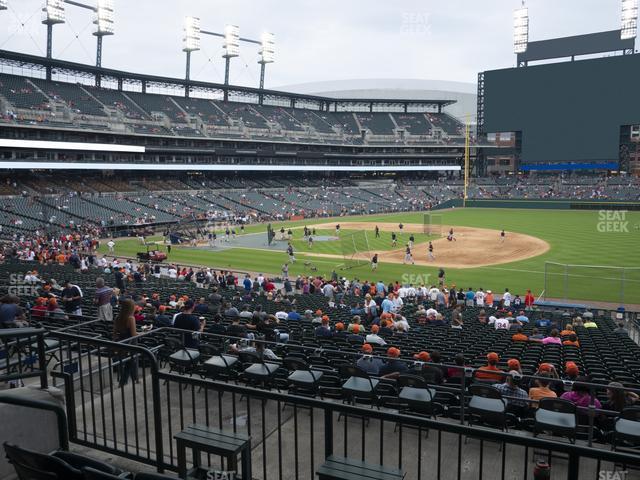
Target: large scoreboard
x=571 y=111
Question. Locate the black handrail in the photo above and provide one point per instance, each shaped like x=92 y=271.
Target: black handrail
x=22 y=333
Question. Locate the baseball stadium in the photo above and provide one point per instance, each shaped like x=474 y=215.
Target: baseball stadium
x=374 y=278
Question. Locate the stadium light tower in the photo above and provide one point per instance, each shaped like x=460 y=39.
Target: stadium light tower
x=629 y=19
x=103 y=21
x=231 y=48
x=267 y=54
x=520 y=29
x=52 y=14
x=191 y=41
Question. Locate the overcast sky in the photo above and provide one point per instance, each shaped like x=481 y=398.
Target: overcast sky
x=315 y=40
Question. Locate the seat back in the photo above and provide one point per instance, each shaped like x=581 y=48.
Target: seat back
x=35 y=465
x=408 y=380
x=347 y=371
x=294 y=363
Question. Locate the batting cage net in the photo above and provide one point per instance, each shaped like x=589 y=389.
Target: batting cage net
x=433 y=224
x=355 y=249
x=566 y=282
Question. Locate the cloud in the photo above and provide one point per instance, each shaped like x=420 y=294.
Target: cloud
x=328 y=40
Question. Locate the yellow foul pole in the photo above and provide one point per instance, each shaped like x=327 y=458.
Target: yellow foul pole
x=466 y=162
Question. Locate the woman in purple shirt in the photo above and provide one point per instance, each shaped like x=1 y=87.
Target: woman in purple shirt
x=580 y=394
x=552 y=338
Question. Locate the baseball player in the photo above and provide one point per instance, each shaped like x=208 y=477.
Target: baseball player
x=430 y=254
x=408 y=258
x=377 y=232
x=374 y=262
x=411 y=240
x=292 y=257
x=502 y=236
x=451 y=237
x=394 y=239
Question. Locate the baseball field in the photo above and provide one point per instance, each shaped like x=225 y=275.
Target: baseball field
x=594 y=243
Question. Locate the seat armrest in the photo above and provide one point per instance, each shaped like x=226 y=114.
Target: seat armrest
x=80 y=461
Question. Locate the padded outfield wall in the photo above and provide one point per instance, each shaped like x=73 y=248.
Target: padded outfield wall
x=543 y=204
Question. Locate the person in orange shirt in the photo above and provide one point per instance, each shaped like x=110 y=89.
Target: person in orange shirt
x=541 y=390
x=488 y=299
x=572 y=341
x=61 y=258
x=568 y=330
x=490 y=371
x=519 y=336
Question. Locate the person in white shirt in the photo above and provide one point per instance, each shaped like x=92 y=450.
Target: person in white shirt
x=402 y=322
x=432 y=313
x=374 y=338
x=422 y=292
x=111 y=244
x=506 y=298
x=480 y=298
x=502 y=324
x=433 y=293
x=173 y=273
x=282 y=315
x=397 y=304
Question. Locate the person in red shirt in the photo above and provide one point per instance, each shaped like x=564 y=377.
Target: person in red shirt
x=269 y=286
x=39 y=310
x=529 y=300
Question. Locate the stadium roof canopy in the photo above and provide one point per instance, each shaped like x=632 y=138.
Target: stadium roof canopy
x=39 y=64
x=462 y=95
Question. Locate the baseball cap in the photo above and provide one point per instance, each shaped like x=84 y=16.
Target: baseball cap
x=545 y=367
x=319 y=313
x=493 y=356
x=513 y=364
x=339 y=326
x=393 y=352
x=355 y=328
x=366 y=348
x=423 y=356
x=571 y=368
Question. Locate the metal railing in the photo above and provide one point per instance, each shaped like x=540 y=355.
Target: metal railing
x=20 y=350
x=291 y=434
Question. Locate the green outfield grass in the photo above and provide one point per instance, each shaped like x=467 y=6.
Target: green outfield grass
x=575 y=237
